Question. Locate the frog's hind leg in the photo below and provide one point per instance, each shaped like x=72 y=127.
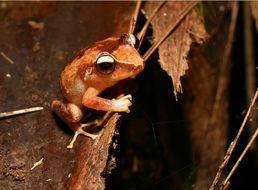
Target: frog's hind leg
x=72 y=115
x=69 y=113
x=81 y=131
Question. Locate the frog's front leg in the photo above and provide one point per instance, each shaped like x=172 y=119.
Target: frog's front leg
x=91 y=100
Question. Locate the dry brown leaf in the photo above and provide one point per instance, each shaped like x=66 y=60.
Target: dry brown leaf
x=174 y=50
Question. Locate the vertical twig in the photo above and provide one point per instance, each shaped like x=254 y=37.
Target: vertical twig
x=224 y=63
x=249 y=60
x=233 y=144
x=135 y=17
x=141 y=34
x=220 y=89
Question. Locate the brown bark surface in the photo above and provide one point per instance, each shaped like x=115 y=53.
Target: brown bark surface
x=39 y=50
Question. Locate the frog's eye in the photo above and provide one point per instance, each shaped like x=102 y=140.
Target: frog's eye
x=105 y=63
x=134 y=40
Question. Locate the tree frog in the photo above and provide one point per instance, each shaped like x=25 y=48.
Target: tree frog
x=94 y=69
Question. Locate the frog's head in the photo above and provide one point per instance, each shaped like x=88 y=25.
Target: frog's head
x=112 y=60
x=120 y=60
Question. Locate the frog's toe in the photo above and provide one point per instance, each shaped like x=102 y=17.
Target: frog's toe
x=81 y=131
x=127 y=97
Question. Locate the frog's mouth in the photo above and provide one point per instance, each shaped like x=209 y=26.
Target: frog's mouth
x=136 y=70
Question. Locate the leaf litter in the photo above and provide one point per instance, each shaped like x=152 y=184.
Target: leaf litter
x=174 y=50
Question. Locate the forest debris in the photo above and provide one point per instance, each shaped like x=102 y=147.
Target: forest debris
x=36 y=164
x=141 y=34
x=16 y=171
x=8 y=75
x=233 y=143
x=6 y=58
x=174 y=50
x=30 y=74
x=224 y=184
x=36 y=25
x=169 y=29
x=36 y=46
x=18 y=112
x=135 y=17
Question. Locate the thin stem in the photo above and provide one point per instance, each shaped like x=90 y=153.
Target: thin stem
x=249 y=61
x=187 y=9
x=233 y=144
x=221 y=87
x=135 y=17
x=240 y=159
x=18 y=112
x=6 y=57
x=141 y=34
x=224 y=63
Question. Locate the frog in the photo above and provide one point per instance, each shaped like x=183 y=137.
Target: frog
x=92 y=70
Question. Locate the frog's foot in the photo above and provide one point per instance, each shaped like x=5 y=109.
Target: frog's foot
x=124 y=102
x=81 y=131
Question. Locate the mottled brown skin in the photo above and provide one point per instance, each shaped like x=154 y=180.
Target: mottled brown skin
x=81 y=83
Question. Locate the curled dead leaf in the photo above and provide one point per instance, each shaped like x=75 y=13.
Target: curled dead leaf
x=174 y=50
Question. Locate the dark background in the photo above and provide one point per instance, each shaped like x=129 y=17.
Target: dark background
x=154 y=149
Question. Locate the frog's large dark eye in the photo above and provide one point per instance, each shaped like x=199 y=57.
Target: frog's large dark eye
x=105 y=63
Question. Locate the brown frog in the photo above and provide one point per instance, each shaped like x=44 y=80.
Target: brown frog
x=94 y=69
